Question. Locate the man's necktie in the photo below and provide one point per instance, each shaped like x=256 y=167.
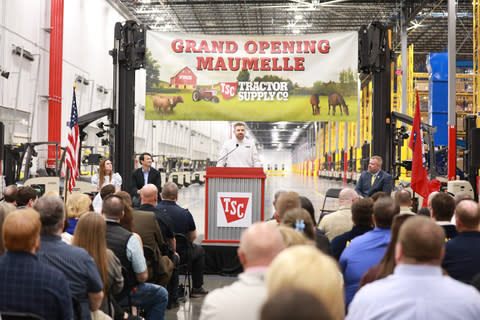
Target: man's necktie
x=373 y=180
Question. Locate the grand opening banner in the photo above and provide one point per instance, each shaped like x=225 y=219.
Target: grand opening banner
x=252 y=78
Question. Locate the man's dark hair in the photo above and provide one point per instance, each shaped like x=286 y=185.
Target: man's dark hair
x=25 y=194
x=52 y=213
x=362 y=212
x=113 y=207
x=107 y=190
x=384 y=210
x=443 y=206
x=307 y=205
x=403 y=197
x=10 y=193
x=142 y=156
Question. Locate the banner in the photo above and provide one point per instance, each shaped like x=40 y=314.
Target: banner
x=251 y=78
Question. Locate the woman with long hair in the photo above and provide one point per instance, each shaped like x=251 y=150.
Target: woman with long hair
x=90 y=234
x=105 y=176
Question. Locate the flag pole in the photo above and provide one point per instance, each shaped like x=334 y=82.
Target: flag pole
x=65 y=184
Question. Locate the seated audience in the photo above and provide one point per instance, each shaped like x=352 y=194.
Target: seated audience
x=26 y=284
x=462 y=258
x=151 y=297
x=462 y=196
x=387 y=264
x=442 y=208
x=182 y=222
x=417 y=289
x=76 y=264
x=259 y=245
x=340 y=221
x=306 y=268
x=90 y=235
x=379 y=194
x=367 y=250
x=77 y=205
x=362 y=211
x=286 y=201
x=146 y=226
x=404 y=200
x=26 y=196
x=287 y=304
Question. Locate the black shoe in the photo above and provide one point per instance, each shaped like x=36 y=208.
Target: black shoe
x=198 y=292
x=172 y=305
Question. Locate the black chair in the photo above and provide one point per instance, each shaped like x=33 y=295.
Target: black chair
x=331 y=193
x=8 y=315
x=184 y=267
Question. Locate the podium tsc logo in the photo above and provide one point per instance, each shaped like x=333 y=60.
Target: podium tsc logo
x=234 y=208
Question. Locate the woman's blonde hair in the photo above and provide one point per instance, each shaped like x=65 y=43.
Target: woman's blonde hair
x=78 y=204
x=90 y=234
x=291 y=237
x=307 y=268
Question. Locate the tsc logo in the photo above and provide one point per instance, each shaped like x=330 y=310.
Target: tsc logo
x=228 y=89
x=234 y=208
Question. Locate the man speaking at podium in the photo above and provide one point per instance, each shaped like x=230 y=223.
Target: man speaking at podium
x=239 y=152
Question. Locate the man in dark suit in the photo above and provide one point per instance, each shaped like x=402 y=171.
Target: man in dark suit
x=143 y=176
x=375 y=179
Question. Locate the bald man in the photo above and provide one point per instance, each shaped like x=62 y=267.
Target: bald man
x=462 y=259
x=340 y=221
x=259 y=245
x=417 y=289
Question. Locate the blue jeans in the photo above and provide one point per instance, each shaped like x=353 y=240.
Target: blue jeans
x=152 y=298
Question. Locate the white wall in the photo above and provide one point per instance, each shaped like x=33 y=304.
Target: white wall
x=274 y=157
x=87 y=39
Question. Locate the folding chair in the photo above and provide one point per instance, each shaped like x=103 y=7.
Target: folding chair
x=184 y=249
x=331 y=193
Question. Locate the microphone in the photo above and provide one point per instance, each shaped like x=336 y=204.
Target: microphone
x=225 y=156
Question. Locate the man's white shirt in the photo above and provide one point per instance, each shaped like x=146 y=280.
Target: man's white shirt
x=245 y=155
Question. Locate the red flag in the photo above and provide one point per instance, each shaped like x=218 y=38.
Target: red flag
x=419 y=180
x=73 y=146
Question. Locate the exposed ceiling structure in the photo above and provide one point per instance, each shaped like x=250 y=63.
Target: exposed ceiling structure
x=425 y=20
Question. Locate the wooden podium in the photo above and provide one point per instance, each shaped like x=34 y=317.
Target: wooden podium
x=234 y=200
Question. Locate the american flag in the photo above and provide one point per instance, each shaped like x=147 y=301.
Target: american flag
x=73 y=147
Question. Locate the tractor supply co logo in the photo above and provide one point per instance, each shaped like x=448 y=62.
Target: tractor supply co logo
x=234 y=209
x=259 y=91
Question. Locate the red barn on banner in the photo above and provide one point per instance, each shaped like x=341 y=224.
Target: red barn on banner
x=184 y=79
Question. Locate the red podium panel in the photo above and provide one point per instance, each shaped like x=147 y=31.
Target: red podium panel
x=234 y=200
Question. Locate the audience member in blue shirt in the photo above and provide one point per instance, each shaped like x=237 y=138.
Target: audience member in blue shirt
x=367 y=250
x=417 y=289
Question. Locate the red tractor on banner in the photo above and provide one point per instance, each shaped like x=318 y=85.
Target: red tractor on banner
x=205 y=94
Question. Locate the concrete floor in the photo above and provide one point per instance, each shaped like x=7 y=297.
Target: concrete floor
x=193 y=198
